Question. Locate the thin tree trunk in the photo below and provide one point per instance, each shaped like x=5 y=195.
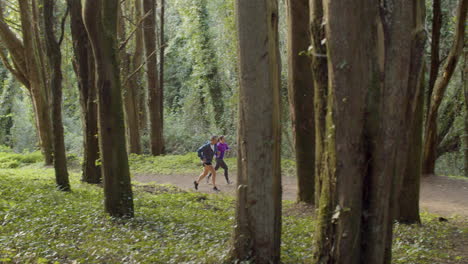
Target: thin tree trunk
x=138 y=58
x=435 y=50
x=465 y=135
x=257 y=231
x=100 y=17
x=318 y=54
x=161 y=55
x=441 y=84
x=301 y=97
x=84 y=69
x=154 y=89
x=54 y=57
x=129 y=94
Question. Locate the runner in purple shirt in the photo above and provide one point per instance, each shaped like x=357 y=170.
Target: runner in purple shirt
x=222 y=147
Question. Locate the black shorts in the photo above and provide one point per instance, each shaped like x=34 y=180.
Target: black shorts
x=207 y=164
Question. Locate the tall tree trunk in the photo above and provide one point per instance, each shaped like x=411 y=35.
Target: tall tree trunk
x=130 y=90
x=154 y=89
x=138 y=60
x=40 y=94
x=435 y=49
x=320 y=77
x=54 y=57
x=257 y=233
x=465 y=92
x=440 y=86
x=100 y=17
x=162 y=46
x=301 y=97
x=369 y=53
x=406 y=209
x=84 y=69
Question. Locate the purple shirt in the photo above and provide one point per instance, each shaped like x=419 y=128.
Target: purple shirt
x=222 y=147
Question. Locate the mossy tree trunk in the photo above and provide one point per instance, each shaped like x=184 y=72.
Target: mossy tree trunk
x=369 y=65
x=54 y=59
x=257 y=231
x=301 y=97
x=100 y=17
x=84 y=68
x=318 y=54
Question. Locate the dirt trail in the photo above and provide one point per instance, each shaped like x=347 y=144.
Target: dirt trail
x=440 y=195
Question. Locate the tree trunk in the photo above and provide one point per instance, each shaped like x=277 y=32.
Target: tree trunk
x=154 y=89
x=40 y=95
x=54 y=57
x=257 y=232
x=435 y=49
x=130 y=90
x=441 y=84
x=406 y=209
x=369 y=53
x=320 y=77
x=84 y=69
x=301 y=97
x=100 y=17
x=465 y=135
x=161 y=55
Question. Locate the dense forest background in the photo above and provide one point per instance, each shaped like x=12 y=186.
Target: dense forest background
x=201 y=86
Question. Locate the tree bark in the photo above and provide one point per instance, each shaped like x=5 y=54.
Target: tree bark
x=154 y=89
x=258 y=212
x=441 y=84
x=435 y=49
x=406 y=209
x=54 y=57
x=26 y=57
x=465 y=135
x=100 y=17
x=369 y=67
x=162 y=44
x=301 y=97
x=84 y=69
x=130 y=88
x=318 y=53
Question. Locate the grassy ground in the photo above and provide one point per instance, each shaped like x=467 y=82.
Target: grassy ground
x=41 y=225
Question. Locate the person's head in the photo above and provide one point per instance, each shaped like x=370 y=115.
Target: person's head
x=214 y=139
x=221 y=139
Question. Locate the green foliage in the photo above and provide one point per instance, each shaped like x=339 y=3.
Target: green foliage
x=14 y=160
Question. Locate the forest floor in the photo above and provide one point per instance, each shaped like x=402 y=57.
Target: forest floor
x=175 y=224
x=440 y=195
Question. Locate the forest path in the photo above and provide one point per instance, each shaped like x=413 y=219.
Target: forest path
x=439 y=195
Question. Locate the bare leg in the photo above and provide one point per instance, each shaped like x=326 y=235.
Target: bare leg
x=213 y=175
x=204 y=173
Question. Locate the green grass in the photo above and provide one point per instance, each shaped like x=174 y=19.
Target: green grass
x=183 y=164
x=38 y=223
x=41 y=225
